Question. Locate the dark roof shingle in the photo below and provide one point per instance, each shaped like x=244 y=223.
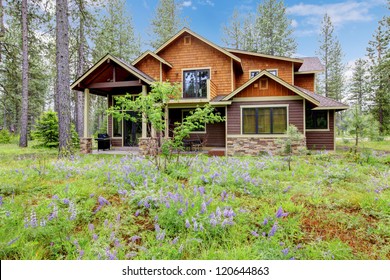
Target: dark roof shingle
x=311 y=64
x=325 y=102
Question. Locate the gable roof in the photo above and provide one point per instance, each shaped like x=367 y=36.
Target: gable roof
x=326 y=103
x=310 y=65
x=297 y=60
x=211 y=44
x=159 y=58
x=276 y=79
x=130 y=68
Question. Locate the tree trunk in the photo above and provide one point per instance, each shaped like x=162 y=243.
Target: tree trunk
x=24 y=115
x=2 y=29
x=62 y=85
x=79 y=112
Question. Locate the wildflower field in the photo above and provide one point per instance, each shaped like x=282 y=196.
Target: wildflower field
x=329 y=206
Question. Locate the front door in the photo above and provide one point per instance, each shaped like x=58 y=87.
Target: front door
x=131 y=131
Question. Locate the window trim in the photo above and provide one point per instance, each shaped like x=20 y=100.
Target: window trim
x=182 y=82
x=195 y=131
x=259 y=70
x=263 y=106
x=318 y=129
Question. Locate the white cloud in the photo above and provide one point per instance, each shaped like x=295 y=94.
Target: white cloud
x=207 y=2
x=187 y=4
x=340 y=13
x=294 y=23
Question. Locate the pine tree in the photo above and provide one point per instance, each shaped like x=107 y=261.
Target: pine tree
x=233 y=31
x=359 y=84
x=62 y=85
x=379 y=56
x=24 y=115
x=115 y=34
x=166 y=22
x=274 y=29
x=331 y=83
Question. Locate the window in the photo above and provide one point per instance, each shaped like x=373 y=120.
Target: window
x=253 y=73
x=186 y=113
x=269 y=120
x=316 y=119
x=273 y=72
x=117 y=127
x=195 y=83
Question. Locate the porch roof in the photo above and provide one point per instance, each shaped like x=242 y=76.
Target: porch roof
x=109 y=74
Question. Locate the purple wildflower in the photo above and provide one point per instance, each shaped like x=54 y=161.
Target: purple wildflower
x=33 y=219
x=195 y=225
x=213 y=222
x=42 y=222
x=265 y=222
x=54 y=213
x=66 y=200
x=273 y=230
x=175 y=240
x=180 y=212
x=201 y=190
x=285 y=251
x=203 y=208
x=95 y=236
x=187 y=223
x=161 y=235
x=223 y=196
x=209 y=201
x=218 y=212
x=81 y=254
x=167 y=204
x=91 y=195
x=91 y=227
x=157 y=227
x=280 y=213
x=287 y=189
x=72 y=210
x=55 y=197
x=13 y=241
x=135 y=238
x=254 y=233
x=137 y=213
x=102 y=201
x=201 y=228
x=26 y=222
x=110 y=256
x=118 y=217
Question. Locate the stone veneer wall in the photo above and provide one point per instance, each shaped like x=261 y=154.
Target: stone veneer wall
x=86 y=145
x=148 y=146
x=254 y=146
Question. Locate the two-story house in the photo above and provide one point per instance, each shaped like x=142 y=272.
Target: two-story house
x=260 y=95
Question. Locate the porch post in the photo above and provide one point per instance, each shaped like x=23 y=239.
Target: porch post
x=144 y=125
x=86 y=141
x=86 y=112
x=166 y=122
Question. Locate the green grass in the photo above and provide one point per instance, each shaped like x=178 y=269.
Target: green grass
x=383 y=146
x=337 y=206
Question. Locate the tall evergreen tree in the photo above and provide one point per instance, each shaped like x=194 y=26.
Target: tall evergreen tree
x=275 y=35
x=359 y=84
x=24 y=115
x=2 y=29
x=62 y=85
x=331 y=82
x=115 y=34
x=268 y=31
x=166 y=22
x=379 y=56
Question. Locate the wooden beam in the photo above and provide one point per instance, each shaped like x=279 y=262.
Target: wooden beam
x=115 y=84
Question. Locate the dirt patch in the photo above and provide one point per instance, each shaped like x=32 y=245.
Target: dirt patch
x=319 y=223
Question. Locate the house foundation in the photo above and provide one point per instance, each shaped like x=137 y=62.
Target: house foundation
x=253 y=146
x=148 y=146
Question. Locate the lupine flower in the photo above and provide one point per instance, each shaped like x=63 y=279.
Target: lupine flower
x=81 y=254
x=280 y=213
x=95 y=236
x=167 y=204
x=55 y=197
x=285 y=251
x=137 y=213
x=118 y=217
x=203 y=208
x=287 y=189
x=201 y=190
x=218 y=212
x=273 y=230
x=91 y=227
x=209 y=201
x=135 y=238
x=187 y=223
x=175 y=240
x=110 y=256
x=54 y=213
x=66 y=200
x=26 y=222
x=254 y=233
x=201 y=228
x=157 y=227
x=223 y=196
x=33 y=219
x=42 y=222
x=13 y=241
x=265 y=222
x=180 y=212
x=72 y=210
x=102 y=201
x=161 y=235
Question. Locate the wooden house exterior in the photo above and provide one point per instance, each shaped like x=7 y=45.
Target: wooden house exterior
x=260 y=95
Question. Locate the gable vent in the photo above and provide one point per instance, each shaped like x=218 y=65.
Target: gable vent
x=187 y=40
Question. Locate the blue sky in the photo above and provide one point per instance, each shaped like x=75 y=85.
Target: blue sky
x=355 y=21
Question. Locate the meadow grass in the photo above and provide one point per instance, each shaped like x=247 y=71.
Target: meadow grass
x=329 y=206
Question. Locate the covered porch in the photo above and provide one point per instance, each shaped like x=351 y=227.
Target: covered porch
x=111 y=77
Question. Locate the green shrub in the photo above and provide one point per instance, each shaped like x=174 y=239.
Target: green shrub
x=5 y=136
x=46 y=131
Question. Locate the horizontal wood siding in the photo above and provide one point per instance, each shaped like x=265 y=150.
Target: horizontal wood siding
x=318 y=140
x=150 y=66
x=295 y=114
x=285 y=68
x=116 y=142
x=215 y=133
x=305 y=81
x=197 y=54
x=273 y=89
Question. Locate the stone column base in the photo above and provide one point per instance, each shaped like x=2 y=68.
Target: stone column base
x=148 y=146
x=86 y=145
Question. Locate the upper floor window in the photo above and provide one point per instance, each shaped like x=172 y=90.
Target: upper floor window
x=195 y=83
x=253 y=73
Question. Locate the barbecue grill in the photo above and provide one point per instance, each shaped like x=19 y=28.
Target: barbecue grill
x=103 y=141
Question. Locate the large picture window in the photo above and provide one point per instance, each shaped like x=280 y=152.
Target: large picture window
x=316 y=119
x=269 y=120
x=195 y=83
